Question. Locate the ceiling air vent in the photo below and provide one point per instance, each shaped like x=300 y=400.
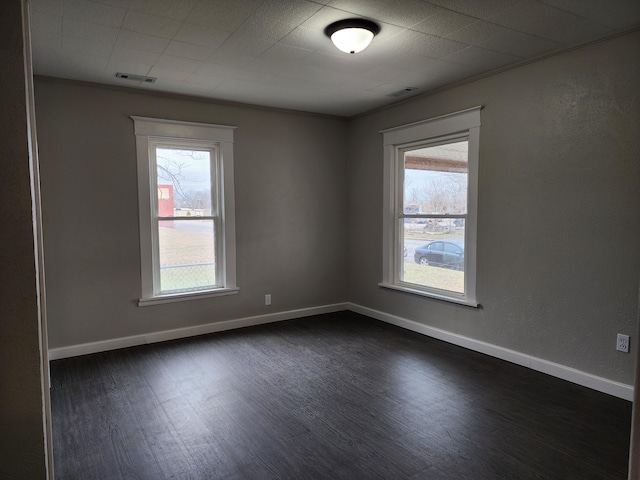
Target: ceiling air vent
x=136 y=78
x=404 y=91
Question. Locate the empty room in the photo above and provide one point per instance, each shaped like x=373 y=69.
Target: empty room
x=302 y=239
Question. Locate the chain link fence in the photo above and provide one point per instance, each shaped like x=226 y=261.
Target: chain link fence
x=192 y=276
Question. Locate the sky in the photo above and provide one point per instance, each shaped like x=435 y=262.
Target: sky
x=190 y=167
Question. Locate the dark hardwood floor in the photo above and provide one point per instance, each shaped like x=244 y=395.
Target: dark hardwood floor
x=336 y=396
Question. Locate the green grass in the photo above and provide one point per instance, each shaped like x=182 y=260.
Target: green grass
x=180 y=247
x=435 y=277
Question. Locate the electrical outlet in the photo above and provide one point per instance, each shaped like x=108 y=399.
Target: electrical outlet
x=267 y=299
x=622 y=343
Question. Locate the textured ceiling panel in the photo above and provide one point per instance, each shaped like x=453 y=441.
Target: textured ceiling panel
x=481 y=9
x=151 y=24
x=89 y=31
x=177 y=9
x=225 y=15
x=50 y=7
x=443 y=23
x=94 y=12
x=534 y=18
x=141 y=41
x=43 y=23
x=613 y=13
x=275 y=52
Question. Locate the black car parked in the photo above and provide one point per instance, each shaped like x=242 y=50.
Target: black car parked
x=442 y=253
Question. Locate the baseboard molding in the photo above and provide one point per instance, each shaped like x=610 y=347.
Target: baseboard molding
x=124 y=342
x=557 y=370
x=579 y=377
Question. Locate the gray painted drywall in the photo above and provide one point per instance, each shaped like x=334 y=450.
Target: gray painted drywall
x=558 y=223
x=291 y=215
x=22 y=447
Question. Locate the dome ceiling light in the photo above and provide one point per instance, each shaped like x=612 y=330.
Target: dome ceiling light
x=352 y=35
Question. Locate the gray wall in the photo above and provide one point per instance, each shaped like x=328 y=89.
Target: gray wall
x=558 y=223
x=291 y=220
x=22 y=451
x=558 y=262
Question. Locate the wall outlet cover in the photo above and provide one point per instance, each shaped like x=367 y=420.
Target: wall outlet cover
x=622 y=343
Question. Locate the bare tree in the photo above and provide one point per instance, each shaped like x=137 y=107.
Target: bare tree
x=196 y=200
x=172 y=166
x=412 y=193
x=447 y=193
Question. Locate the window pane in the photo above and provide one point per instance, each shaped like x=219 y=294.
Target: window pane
x=435 y=179
x=187 y=255
x=434 y=259
x=184 y=182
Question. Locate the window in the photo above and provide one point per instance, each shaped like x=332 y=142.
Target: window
x=186 y=206
x=430 y=195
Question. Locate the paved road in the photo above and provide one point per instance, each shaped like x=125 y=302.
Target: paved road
x=201 y=226
x=411 y=248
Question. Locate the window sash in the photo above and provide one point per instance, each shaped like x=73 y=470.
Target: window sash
x=212 y=149
x=399 y=242
x=401 y=151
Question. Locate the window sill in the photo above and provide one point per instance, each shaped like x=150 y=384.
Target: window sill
x=439 y=296
x=183 y=297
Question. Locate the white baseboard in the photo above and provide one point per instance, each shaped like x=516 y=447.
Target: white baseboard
x=106 y=345
x=579 y=377
x=620 y=390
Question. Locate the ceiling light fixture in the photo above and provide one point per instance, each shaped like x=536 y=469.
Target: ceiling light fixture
x=352 y=35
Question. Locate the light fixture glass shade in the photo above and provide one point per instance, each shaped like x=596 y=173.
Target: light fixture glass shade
x=352 y=40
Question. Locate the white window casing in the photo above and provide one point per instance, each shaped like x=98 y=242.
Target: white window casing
x=218 y=140
x=463 y=124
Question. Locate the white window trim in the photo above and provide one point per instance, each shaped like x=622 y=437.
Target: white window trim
x=149 y=131
x=467 y=123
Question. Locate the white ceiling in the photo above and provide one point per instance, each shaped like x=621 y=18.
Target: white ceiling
x=274 y=52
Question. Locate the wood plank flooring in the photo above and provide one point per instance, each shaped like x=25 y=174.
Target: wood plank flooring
x=336 y=396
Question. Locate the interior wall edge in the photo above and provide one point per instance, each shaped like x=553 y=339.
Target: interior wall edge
x=594 y=382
